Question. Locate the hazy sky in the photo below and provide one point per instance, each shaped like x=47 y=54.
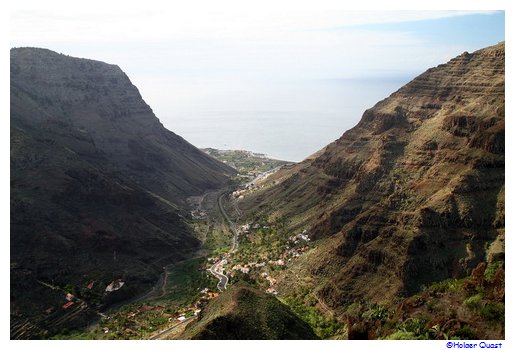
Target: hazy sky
x=203 y=57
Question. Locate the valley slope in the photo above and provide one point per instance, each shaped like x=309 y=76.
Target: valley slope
x=98 y=186
x=244 y=313
x=412 y=195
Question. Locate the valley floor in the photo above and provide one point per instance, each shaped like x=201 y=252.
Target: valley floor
x=261 y=253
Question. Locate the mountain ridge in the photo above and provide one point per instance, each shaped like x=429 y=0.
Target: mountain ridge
x=409 y=196
x=98 y=185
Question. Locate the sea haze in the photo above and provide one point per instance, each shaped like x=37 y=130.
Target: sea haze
x=287 y=121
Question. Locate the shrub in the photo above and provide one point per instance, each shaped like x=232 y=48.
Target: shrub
x=416 y=326
x=451 y=285
x=324 y=327
x=474 y=302
x=159 y=320
x=490 y=270
x=493 y=312
x=376 y=312
x=431 y=305
x=466 y=333
x=354 y=310
x=402 y=335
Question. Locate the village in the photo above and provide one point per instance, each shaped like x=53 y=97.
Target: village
x=144 y=320
x=255 y=262
x=259 y=251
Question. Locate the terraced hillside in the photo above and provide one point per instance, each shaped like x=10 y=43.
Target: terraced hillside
x=412 y=195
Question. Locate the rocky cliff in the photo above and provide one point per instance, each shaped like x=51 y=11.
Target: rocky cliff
x=97 y=183
x=413 y=194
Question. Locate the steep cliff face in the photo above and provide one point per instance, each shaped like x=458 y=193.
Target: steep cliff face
x=97 y=183
x=413 y=194
x=93 y=109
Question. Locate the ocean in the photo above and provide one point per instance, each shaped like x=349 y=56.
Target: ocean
x=285 y=121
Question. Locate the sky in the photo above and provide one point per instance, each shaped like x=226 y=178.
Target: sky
x=197 y=62
x=187 y=59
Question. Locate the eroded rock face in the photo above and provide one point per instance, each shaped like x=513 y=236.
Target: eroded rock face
x=97 y=183
x=411 y=194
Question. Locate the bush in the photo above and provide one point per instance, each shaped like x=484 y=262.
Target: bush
x=354 y=310
x=493 y=312
x=415 y=326
x=431 y=305
x=322 y=326
x=451 y=285
x=376 y=312
x=158 y=321
x=466 y=333
x=490 y=270
x=402 y=335
x=474 y=302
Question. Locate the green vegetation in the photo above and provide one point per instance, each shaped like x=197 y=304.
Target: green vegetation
x=323 y=326
x=467 y=308
x=491 y=269
x=185 y=280
x=376 y=312
x=451 y=285
x=402 y=335
x=416 y=327
x=466 y=332
x=243 y=312
x=474 y=302
x=76 y=335
x=493 y=312
x=219 y=239
x=247 y=163
x=140 y=321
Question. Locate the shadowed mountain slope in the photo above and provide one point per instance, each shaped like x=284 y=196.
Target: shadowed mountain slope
x=243 y=313
x=98 y=185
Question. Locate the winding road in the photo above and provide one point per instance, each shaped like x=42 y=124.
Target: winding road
x=217 y=269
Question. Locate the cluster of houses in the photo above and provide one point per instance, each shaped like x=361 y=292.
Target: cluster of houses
x=272 y=281
x=299 y=237
x=207 y=295
x=278 y=262
x=247 y=267
x=178 y=316
x=269 y=278
x=238 y=194
x=243 y=269
x=294 y=253
x=71 y=299
x=198 y=214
